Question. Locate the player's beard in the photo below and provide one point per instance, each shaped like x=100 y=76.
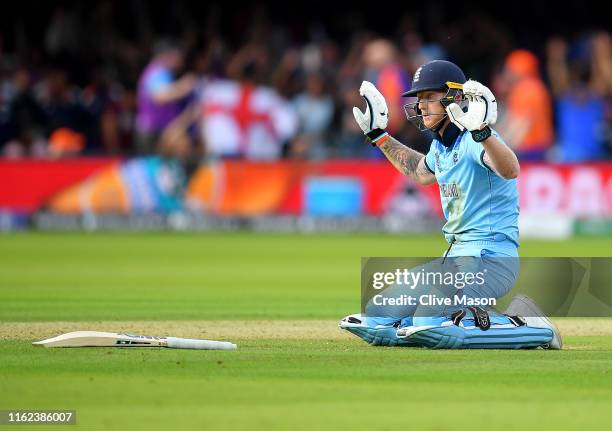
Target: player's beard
x=436 y=126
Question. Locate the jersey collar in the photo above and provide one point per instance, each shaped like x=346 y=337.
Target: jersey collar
x=450 y=135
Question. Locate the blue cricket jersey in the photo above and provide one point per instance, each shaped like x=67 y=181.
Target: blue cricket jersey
x=481 y=208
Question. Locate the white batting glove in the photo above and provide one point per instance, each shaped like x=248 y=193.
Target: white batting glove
x=482 y=108
x=475 y=88
x=374 y=120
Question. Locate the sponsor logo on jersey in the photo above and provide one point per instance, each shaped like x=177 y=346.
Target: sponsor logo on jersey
x=449 y=190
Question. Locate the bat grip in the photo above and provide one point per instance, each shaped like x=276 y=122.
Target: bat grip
x=187 y=343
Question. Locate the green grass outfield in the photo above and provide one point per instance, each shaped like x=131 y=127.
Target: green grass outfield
x=265 y=292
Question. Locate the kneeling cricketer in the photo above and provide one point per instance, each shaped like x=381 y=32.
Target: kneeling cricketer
x=476 y=173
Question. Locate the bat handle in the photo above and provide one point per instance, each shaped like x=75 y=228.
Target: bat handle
x=187 y=343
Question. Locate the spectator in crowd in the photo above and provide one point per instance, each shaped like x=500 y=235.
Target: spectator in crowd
x=528 y=125
x=350 y=143
x=286 y=78
x=382 y=68
x=160 y=95
x=349 y=137
x=241 y=118
x=415 y=53
x=175 y=142
x=601 y=63
x=26 y=120
x=315 y=111
x=579 y=109
x=101 y=101
x=63 y=110
x=601 y=67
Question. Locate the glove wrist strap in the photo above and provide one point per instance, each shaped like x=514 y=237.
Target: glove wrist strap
x=377 y=136
x=482 y=134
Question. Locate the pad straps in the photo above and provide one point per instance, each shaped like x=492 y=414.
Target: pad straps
x=481 y=317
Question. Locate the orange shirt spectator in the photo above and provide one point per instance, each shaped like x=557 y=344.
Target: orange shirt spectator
x=380 y=57
x=529 y=107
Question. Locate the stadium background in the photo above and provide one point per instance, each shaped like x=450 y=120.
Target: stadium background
x=76 y=148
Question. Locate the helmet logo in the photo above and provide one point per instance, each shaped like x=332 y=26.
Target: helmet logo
x=417 y=74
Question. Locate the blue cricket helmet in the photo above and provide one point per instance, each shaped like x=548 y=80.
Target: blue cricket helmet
x=435 y=75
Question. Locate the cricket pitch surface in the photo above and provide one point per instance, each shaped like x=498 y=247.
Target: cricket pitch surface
x=279 y=297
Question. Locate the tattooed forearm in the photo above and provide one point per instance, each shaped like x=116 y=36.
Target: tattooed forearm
x=406 y=160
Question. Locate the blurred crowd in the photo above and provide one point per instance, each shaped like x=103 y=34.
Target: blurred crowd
x=92 y=88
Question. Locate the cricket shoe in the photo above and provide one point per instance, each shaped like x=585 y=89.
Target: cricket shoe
x=525 y=307
x=378 y=335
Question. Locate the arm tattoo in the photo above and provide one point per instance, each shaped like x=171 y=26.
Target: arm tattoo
x=405 y=159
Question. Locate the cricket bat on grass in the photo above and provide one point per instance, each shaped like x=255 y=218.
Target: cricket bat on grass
x=113 y=339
